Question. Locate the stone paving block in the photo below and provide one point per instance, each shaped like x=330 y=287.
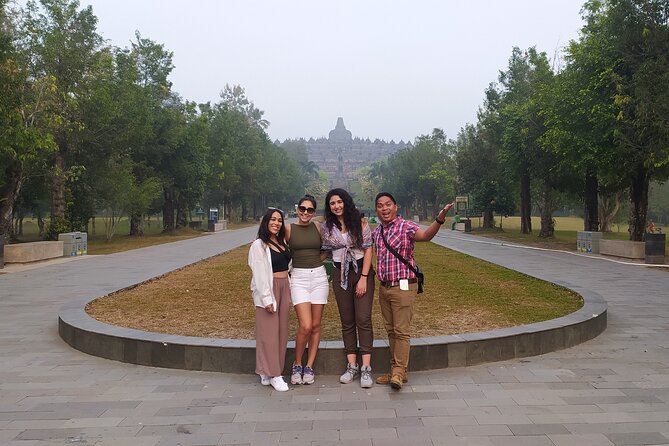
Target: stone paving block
x=169 y=430
x=638 y=438
x=544 y=410
x=537 y=429
x=411 y=433
x=175 y=411
x=35 y=424
x=221 y=401
x=457 y=354
x=396 y=422
x=371 y=433
x=368 y=413
x=478 y=431
x=462 y=441
x=47 y=434
x=532 y=440
x=360 y=442
x=193 y=357
x=401 y=442
x=124 y=441
x=617 y=428
x=92 y=422
x=255 y=438
x=276 y=426
x=413 y=396
x=190 y=440
x=306 y=436
x=580 y=440
x=502 y=419
x=340 y=424
x=104 y=432
x=340 y=405
x=227 y=428
x=453 y=420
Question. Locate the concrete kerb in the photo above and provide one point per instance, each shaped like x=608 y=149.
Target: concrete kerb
x=90 y=336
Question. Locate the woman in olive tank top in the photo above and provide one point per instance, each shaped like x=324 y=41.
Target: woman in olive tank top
x=309 y=287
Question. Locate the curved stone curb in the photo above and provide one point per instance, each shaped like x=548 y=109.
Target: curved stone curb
x=90 y=336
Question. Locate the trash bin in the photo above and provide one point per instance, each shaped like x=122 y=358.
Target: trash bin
x=468 y=224
x=69 y=240
x=654 y=248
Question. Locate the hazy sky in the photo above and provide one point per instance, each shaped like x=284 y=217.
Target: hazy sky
x=391 y=69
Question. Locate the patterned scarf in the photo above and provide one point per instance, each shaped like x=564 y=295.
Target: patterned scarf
x=333 y=239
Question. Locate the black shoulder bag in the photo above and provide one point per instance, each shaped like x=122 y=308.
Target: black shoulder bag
x=420 y=278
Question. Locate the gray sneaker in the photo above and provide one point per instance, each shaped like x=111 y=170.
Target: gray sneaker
x=296 y=375
x=366 y=377
x=349 y=375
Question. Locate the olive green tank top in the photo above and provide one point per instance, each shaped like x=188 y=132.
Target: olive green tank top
x=305 y=244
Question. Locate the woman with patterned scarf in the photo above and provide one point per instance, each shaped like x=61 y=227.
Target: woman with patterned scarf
x=349 y=237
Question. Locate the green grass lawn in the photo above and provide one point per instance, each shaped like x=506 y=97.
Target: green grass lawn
x=153 y=235
x=565 y=232
x=462 y=294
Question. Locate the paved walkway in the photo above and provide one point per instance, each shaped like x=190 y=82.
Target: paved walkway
x=611 y=390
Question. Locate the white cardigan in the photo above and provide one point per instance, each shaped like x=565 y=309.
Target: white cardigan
x=262 y=287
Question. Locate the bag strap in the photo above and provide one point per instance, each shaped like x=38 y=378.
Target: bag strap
x=396 y=254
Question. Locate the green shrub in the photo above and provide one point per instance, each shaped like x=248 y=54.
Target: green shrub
x=56 y=225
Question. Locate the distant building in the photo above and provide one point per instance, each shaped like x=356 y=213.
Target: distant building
x=340 y=155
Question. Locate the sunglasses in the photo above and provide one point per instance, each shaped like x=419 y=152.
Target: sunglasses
x=307 y=210
x=275 y=209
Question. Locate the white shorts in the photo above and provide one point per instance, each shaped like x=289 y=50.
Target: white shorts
x=309 y=285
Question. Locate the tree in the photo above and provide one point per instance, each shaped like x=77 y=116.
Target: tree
x=60 y=43
x=481 y=174
x=634 y=59
x=24 y=144
x=234 y=98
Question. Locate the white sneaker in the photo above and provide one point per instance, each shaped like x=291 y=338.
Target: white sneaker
x=279 y=384
x=352 y=370
x=264 y=380
x=366 y=377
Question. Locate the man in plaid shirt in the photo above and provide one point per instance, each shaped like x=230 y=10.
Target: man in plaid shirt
x=398 y=284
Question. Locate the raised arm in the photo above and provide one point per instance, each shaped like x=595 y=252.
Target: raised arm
x=425 y=235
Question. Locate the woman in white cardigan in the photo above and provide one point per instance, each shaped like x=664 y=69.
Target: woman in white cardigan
x=269 y=260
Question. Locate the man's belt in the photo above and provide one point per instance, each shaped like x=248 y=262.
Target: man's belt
x=392 y=284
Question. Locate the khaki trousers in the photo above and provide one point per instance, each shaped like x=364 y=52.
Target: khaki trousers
x=397 y=311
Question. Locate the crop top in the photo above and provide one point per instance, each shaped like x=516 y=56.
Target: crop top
x=280 y=260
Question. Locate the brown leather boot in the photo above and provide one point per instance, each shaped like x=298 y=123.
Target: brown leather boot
x=396 y=382
x=384 y=380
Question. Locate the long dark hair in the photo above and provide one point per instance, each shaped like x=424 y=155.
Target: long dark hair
x=352 y=217
x=263 y=230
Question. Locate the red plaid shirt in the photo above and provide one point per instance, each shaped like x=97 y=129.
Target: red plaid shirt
x=400 y=235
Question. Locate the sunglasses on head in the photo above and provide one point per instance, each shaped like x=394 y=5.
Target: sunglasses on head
x=275 y=209
x=305 y=209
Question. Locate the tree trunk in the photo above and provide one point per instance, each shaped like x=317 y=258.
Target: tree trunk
x=8 y=193
x=488 y=217
x=40 y=224
x=182 y=218
x=547 y=206
x=168 y=212
x=58 y=203
x=136 y=225
x=608 y=209
x=525 y=204
x=590 y=218
x=639 y=199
